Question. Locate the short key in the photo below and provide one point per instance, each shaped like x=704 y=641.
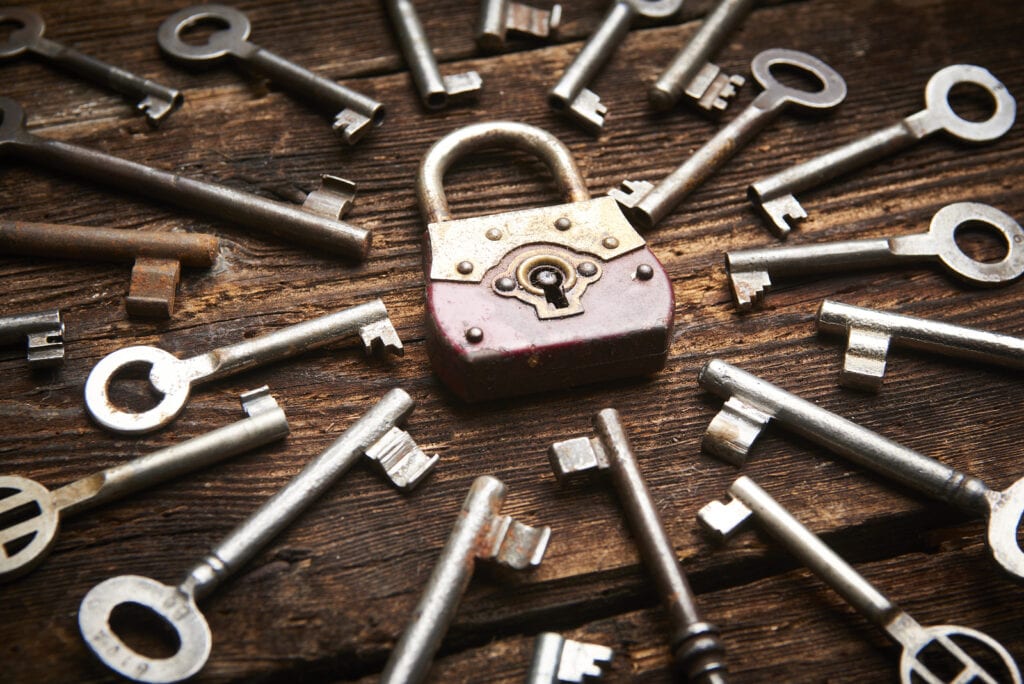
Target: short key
x=499 y=17
x=571 y=95
x=42 y=332
x=557 y=660
x=646 y=204
x=754 y=271
x=751 y=402
x=869 y=333
x=155 y=101
x=24 y=545
x=919 y=643
x=173 y=378
x=356 y=113
x=374 y=435
x=773 y=196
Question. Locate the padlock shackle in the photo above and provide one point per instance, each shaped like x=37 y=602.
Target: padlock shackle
x=430 y=183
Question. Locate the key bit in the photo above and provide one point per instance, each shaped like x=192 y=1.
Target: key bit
x=43 y=333
x=712 y=88
x=499 y=17
x=557 y=660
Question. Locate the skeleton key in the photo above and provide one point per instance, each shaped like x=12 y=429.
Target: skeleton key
x=316 y=224
x=869 y=333
x=375 y=434
x=695 y=644
x=752 y=402
x=773 y=196
x=571 y=95
x=479 y=533
x=173 y=378
x=43 y=333
x=436 y=91
x=557 y=660
x=752 y=272
x=356 y=113
x=156 y=101
x=25 y=544
x=498 y=17
x=646 y=204
x=919 y=643
x=691 y=72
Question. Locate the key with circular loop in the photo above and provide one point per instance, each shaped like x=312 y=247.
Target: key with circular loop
x=356 y=114
x=919 y=643
x=646 y=204
x=773 y=196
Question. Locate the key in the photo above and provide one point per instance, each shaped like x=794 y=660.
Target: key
x=695 y=644
x=25 y=544
x=773 y=196
x=558 y=660
x=356 y=114
x=870 y=332
x=155 y=101
x=315 y=225
x=752 y=272
x=43 y=333
x=646 y=204
x=172 y=379
x=691 y=73
x=570 y=96
x=479 y=533
x=375 y=434
x=920 y=644
x=752 y=402
x=436 y=91
x=498 y=17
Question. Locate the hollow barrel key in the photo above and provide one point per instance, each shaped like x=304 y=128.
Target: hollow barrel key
x=752 y=272
x=356 y=113
x=43 y=333
x=173 y=377
x=921 y=645
x=773 y=196
x=374 y=435
x=751 y=402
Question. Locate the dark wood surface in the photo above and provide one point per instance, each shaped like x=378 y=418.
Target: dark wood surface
x=329 y=597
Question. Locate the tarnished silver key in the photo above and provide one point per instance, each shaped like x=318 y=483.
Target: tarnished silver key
x=480 y=533
x=557 y=660
x=436 y=91
x=42 y=332
x=921 y=645
x=773 y=196
x=691 y=73
x=173 y=378
x=23 y=545
x=375 y=434
x=751 y=402
x=570 y=96
x=500 y=17
x=646 y=204
x=752 y=272
x=354 y=114
x=155 y=101
x=870 y=332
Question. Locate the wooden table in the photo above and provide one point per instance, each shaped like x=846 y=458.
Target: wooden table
x=329 y=597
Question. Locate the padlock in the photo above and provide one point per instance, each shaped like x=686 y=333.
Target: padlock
x=537 y=299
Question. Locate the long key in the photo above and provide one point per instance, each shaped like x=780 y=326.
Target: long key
x=870 y=332
x=480 y=533
x=354 y=114
x=172 y=378
x=695 y=643
x=42 y=332
x=557 y=660
x=39 y=511
x=500 y=17
x=436 y=91
x=646 y=204
x=920 y=644
x=316 y=224
x=375 y=434
x=773 y=196
x=751 y=402
x=691 y=73
x=752 y=272
x=155 y=101
x=570 y=95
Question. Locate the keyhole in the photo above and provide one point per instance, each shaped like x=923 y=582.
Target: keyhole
x=144 y=630
x=7 y=27
x=199 y=32
x=550 y=279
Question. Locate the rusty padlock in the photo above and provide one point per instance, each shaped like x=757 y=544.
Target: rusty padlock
x=537 y=299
